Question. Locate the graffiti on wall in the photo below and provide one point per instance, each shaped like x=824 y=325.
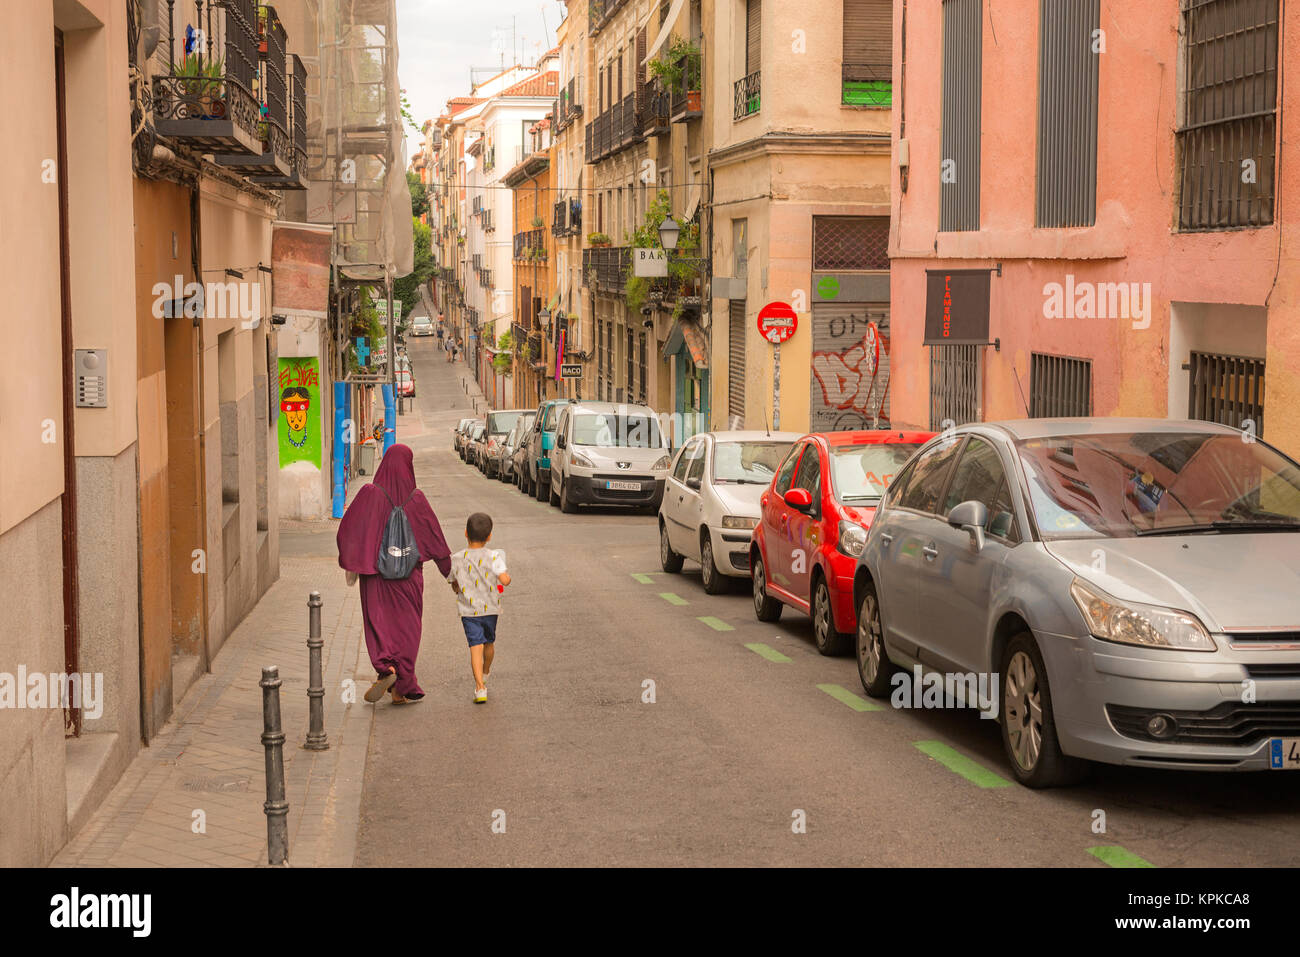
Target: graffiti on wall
x=299 y=424
x=850 y=369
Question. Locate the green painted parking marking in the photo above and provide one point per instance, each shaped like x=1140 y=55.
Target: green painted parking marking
x=765 y=651
x=717 y=624
x=845 y=696
x=957 y=762
x=643 y=579
x=1116 y=856
x=673 y=599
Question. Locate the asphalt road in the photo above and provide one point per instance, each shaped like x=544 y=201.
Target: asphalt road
x=736 y=748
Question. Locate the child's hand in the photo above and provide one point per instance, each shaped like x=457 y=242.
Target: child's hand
x=504 y=579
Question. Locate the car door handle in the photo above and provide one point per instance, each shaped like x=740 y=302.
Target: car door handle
x=930 y=552
x=886 y=538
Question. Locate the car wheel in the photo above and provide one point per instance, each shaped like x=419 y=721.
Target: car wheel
x=552 y=493
x=539 y=487
x=829 y=640
x=669 y=560
x=765 y=607
x=874 y=667
x=1028 y=724
x=566 y=506
x=714 y=581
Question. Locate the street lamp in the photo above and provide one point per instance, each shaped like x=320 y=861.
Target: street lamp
x=668 y=233
x=544 y=319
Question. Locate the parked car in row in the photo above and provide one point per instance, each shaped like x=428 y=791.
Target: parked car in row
x=499 y=424
x=474 y=441
x=535 y=479
x=711 y=501
x=608 y=453
x=510 y=447
x=813 y=523
x=1124 y=580
x=459 y=435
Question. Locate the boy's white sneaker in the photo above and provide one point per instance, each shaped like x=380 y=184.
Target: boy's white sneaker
x=480 y=695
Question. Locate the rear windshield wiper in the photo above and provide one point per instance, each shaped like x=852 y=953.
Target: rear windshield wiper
x=1220 y=527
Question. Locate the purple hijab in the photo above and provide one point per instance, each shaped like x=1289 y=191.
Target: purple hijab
x=363 y=523
x=393 y=610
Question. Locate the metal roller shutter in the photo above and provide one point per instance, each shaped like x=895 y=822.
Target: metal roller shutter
x=963 y=70
x=868 y=33
x=736 y=361
x=850 y=367
x=753 y=36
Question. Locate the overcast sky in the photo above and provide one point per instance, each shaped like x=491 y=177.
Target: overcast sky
x=438 y=41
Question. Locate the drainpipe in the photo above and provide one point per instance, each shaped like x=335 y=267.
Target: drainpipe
x=196 y=257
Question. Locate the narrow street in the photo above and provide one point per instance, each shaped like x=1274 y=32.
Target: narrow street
x=734 y=744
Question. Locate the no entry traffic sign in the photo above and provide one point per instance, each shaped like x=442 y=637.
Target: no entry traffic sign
x=777 y=322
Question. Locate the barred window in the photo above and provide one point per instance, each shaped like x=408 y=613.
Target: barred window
x=1067 y=112
x=1059 y=386
x=850 y=242
x=1227 y=130
x=960 y=124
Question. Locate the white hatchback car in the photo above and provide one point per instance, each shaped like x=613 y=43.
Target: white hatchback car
x=711 y=501
x=608 y=453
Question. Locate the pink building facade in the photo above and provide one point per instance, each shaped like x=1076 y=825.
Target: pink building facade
x=1154 y=274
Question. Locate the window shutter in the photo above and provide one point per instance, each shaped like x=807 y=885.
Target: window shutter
x=868 y=34
x=640 y=73
x=620 y=79
x=753 y=36
x=736 y=360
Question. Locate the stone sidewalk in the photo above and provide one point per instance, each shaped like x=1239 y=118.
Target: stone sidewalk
x=208 y=763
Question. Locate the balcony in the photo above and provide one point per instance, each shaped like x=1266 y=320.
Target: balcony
x=600 y=12
x=687 y=95
x=748 y=92
x=560 y=219
x=867 y=84
x=606 y=268
x=297 y=176
x=276 y=158
x=656 y=117
x=204 y=98
x=530 y=245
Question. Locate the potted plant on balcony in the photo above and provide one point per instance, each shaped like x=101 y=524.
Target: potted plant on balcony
x=679 y=71
x=201 y=83
x=598 y=239
x=538 y=223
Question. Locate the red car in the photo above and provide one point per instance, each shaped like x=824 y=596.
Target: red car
x=814 y=524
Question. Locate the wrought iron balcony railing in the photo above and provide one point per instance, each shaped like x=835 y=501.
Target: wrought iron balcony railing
x=748 y=93
x=687 y=96
x=867 y=84
x=605 y=268
x=656 y=117
x=204 y=97
x=276 y=157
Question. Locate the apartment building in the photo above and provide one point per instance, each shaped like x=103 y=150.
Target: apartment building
x=1100 y=196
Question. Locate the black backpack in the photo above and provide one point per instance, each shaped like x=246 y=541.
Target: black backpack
x=398 y=552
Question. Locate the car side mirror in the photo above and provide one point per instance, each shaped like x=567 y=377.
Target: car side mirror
x=970 y=517
x=800 y=499
x=693 y=483
x=559 y=442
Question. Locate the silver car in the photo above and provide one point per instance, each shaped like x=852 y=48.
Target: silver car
x=507 y=454
x=1130 y=585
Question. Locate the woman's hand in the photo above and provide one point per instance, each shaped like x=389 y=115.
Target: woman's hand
x=352 y=579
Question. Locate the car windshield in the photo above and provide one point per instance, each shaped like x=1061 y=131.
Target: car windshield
x=748 y=462
x=499 y=423
x=1152 y=483
x=608 y=430
x=548 y=423
x=863 y=472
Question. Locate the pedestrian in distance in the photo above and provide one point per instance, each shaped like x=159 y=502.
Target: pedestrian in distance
x=392 y=608
x=479 y=577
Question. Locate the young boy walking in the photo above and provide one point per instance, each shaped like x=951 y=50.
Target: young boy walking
x=478 y=577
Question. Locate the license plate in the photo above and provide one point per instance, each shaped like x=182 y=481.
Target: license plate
x=1284 y=754
x=623 y=486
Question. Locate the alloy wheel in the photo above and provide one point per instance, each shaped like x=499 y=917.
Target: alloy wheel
x=1022 y=710
x=871 y=648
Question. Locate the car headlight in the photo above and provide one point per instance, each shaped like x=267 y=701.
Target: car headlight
x=853 y=538
x=738 y=521
x=662 y=464
x=581 y=461
x=1136 y=624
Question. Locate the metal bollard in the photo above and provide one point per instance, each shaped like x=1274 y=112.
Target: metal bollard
x=276 y=807
x=316 y=740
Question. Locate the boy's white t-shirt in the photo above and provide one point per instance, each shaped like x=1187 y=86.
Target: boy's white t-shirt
x=478 y=572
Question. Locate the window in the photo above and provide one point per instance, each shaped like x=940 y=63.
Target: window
x=1228 y=390
x=956 y=385
x=736 y=362
x=1067 y=112
x=868 y=70
x=809 y=476
x=748 y=88
x=740 y=248
x=693 y=450
x=850 y=242
x=1227 y=117
x=978 y=475
x=928 y=475
x=1059 y=386
x=697 y=464
x=963 y=67
x=787 y=471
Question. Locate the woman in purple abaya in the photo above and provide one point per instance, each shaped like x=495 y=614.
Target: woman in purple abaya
x=392 y=608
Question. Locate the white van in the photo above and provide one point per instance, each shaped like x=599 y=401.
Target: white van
x=608 y=453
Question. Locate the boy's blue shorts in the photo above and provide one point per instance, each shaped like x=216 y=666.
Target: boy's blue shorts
x=480 y=630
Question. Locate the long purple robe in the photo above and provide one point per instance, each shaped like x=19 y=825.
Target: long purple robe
x=392 y=609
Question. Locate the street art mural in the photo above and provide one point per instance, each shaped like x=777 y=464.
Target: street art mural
x=299 y=425
x=850 y=368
